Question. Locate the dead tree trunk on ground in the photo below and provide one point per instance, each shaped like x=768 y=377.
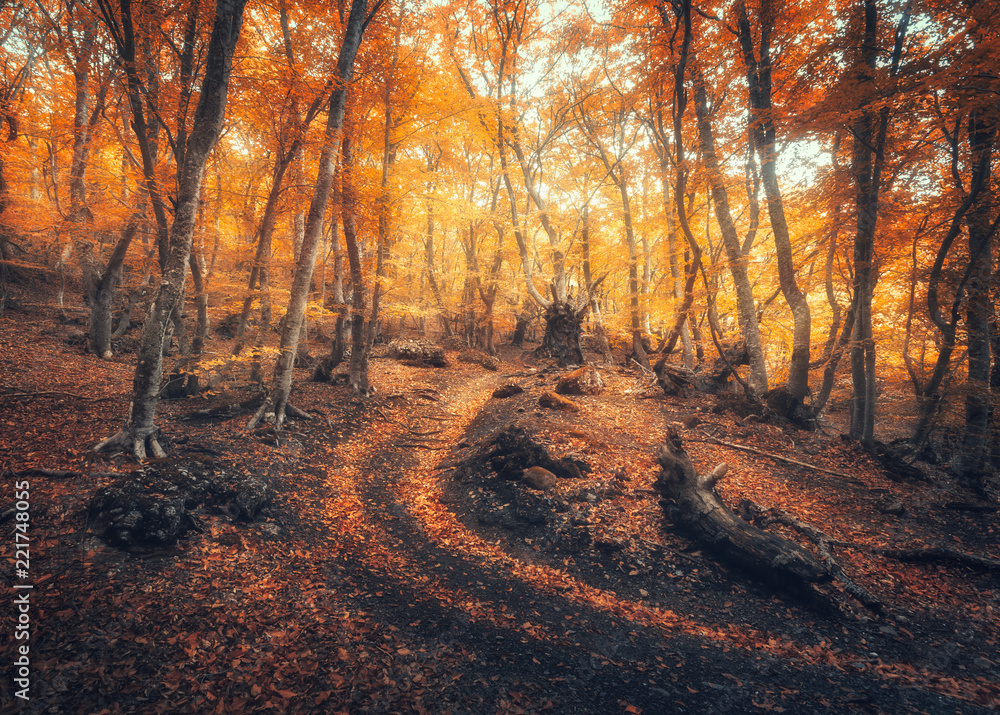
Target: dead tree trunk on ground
x=695 y=507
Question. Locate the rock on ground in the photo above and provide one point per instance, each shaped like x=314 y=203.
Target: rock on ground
x=158 y=504
x=539 y=478
x=508 y=390
x=418 y=352
x=582 y=381
x=557 y=402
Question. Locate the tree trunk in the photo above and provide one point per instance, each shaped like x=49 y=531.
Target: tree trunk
x=433 y=160
x=338 y=345
x=276 y=404
x=616 y=172
x=139 y=431
x=745 y=306
x=758 y=71
x=524 y=318
x=971 y=462
x=262 y=255
x=200 y=301
x=695 y=507
x=563 y=324
x=868 y=158
x=101 y=287
x=357 y=371
x=693 y=266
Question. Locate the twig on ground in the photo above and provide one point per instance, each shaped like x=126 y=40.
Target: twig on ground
x=779 y=458
x=940 y=553
x=58 y=393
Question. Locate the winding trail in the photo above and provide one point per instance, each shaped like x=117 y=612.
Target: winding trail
x=523 y=626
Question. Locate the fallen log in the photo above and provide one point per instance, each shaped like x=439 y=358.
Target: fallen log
x=750 y=511
x=695 y=507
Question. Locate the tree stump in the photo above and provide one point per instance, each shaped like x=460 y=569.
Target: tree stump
x=418 y=352
x=562 y=334
x=673 y=380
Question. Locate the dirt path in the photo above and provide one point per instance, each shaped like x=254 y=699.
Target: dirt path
x=381 y=582
x=525 y=632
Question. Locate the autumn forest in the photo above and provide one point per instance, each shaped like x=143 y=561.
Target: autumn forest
x=487 y=355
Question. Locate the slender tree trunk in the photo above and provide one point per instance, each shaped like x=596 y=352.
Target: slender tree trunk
x=868 y=156
x=866 y=204
x=469 y=287
x=358 y=369
x=600 y=335
x=758 y=71
x=276 y=404
x=746 y=308
x=262 y=255
x=433 y=161
x=199 y=278
x=693 y=266
x=79 y=212
x=338 y=345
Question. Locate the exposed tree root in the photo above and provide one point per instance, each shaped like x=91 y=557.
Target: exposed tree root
x=226 y=410
x=140 y=443
x=269 y=414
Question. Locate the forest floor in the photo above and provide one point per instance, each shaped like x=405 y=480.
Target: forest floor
x=390 y=575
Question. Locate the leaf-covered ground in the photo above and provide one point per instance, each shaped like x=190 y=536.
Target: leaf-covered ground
x=390 y=576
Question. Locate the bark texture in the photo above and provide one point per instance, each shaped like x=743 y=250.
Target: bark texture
x=275 y=405
x=746 y=308
x=758 y=62
x=694 y=506
x=139 y=432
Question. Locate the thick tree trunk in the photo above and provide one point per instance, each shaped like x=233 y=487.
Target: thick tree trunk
x=139 y=431
x=563 y=324
x=695 y=507
x=971 y=462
